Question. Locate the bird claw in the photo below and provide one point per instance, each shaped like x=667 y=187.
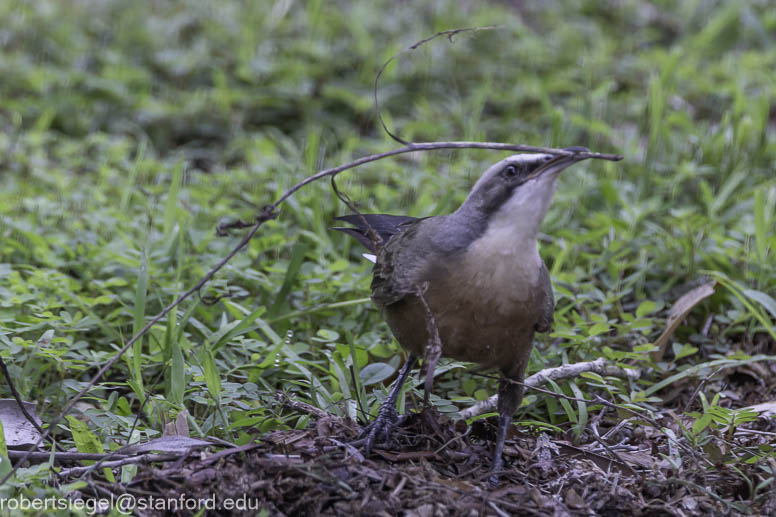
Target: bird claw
x=494 y=472
x=379 y=431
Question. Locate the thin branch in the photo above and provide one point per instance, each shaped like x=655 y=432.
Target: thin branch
x=216 y=456
x=302 y=407
x=374 y=236
x=414 y=46
x=64 y=456
x=132 y=460
x=430 y=146
x=541 y=378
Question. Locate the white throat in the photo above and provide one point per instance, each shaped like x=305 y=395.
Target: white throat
x=519 y=218
x=506 y=256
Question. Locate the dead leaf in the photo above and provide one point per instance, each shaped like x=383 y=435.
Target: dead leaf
x=179 y=427
x=678 y=312
x=574 y=500
x=764 y=409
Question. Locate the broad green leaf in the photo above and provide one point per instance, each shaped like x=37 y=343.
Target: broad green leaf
x=598 y=328
x=86 y=441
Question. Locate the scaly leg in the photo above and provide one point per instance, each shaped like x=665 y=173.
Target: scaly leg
x=510 y=394
x=380 y=429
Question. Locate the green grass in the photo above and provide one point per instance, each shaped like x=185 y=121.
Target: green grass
x=130 y=132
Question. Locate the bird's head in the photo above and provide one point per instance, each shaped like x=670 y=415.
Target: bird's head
x=517 y=191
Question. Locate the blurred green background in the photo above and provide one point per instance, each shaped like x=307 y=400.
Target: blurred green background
x=131 y=129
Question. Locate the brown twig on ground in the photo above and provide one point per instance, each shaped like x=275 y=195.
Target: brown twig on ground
x=65 y=456
x=541 y=378
x=302 y=407
x=228 y=452
x=131 y=460
x=570 y=370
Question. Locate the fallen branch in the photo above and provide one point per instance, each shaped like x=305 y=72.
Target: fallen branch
x=302 y=407
x=60 y=457
x=132 y=460
x=566 y=371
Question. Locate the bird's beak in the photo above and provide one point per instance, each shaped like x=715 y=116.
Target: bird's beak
x=560 y=162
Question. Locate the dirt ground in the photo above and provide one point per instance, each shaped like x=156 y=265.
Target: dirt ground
x=435 y=466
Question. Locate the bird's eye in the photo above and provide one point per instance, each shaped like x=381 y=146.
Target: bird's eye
x=510 y=171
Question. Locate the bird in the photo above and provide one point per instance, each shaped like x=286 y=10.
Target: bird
x=476 y=273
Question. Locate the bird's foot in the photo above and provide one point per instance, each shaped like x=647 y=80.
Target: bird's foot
x=497 y=464
x=379 y=431
x=495 y=469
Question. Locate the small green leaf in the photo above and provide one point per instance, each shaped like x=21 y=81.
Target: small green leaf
x=598 y=328
x=326 y=336
x=177 y=374
x=647 y=347
x=339 y=265
x=645 y=307
x=481 y=394
x=212 y=379
x=375 y=372
x=685 y=351
x=592 y=376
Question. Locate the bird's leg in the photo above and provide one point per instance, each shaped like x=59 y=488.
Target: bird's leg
x=380 y=429
x=510 y=394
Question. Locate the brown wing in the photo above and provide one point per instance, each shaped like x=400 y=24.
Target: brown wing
x=399 y=265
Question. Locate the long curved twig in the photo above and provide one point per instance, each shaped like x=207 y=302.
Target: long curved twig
x=449 y=33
